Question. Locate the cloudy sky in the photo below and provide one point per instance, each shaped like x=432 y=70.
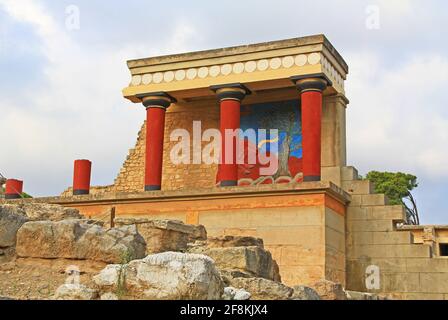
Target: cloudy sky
x=60 y=86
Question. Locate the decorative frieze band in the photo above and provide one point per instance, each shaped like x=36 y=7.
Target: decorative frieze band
x=275 y=63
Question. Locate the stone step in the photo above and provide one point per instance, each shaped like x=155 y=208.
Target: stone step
x=397 y=213
x=391 y=251
x=381 y=238
x=376 y=213
x=370 y=225
x=358 y=187
x=374 y=200
x=435 y=265
x=349 y=174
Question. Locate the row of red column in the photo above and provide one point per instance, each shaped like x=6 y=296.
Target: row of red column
x=81 y=181
x=230 y=97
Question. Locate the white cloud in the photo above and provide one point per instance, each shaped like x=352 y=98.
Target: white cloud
x=396 y=119
x=78 y=110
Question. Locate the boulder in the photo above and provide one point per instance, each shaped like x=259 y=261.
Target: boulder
x=10 y=223
x=234 y=241
x=36 y=211
x=230 y=293
x=109 y=296
x=77 y=239
x=254 y=261
x=263 y=289
x=328 y=290
x=75 y=292
x=355 y=295
x=163 y=276
x=166 y=235
x=304 y=293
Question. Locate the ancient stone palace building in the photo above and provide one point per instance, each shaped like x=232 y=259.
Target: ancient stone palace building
x=317 y=218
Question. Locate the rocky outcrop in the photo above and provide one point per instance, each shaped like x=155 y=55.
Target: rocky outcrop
x=165 y=235
x=263 y=289
x=231 y=293
x=75 y=292
x=234 y=241
x=77 y=239
x=355 y=295
x=10 y=223
x=164 y=276
x=304 y=293
x=109 y=296
x=239 y=256
x=252 y=261
x=36 y=211
x=328 y=290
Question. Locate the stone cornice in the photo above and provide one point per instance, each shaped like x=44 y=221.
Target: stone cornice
x=327 y=188
x=262 y=65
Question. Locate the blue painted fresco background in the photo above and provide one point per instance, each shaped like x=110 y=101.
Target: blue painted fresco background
x=284 y=116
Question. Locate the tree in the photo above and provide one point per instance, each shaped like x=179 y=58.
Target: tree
x=397 y=186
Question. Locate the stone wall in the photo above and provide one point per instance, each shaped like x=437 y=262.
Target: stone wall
x=302 y=225
x=175 y=177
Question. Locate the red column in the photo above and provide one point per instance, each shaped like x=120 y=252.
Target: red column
x=230 y=97
x=230 y=119
x=155 y=127
x=311 y=134
x=156 y=105
x=14 y=189
x=81 y=177
x=311 y=88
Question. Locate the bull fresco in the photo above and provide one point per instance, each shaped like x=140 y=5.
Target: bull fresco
x=285 y=117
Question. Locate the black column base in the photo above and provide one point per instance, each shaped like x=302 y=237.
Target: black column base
x=229 y=183
x=311 y=178
x=153 y=188
x=12 y=196
x=80 y=192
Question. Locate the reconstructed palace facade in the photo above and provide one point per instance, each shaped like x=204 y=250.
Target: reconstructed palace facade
x=315 y=215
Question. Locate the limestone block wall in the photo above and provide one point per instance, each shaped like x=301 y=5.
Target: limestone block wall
x=335 y=252
x=407 y=270
x=175 y=177
x=302 y=225
x=334 y=149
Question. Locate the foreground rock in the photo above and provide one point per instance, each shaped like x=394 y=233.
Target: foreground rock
x=355 y=295
x=328 y=290
x=10 y=223
x=43 y=211
x=166 y=235
x=263 y=289
x=304 y=293
x=231 y=293
x=234 y=241
x=77 y=239
x=252 y=261
x=75 y=292
x=164 y=276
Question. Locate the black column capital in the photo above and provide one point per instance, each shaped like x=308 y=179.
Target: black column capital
x=156 y=99
x=231 y=91
x=312 y=82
